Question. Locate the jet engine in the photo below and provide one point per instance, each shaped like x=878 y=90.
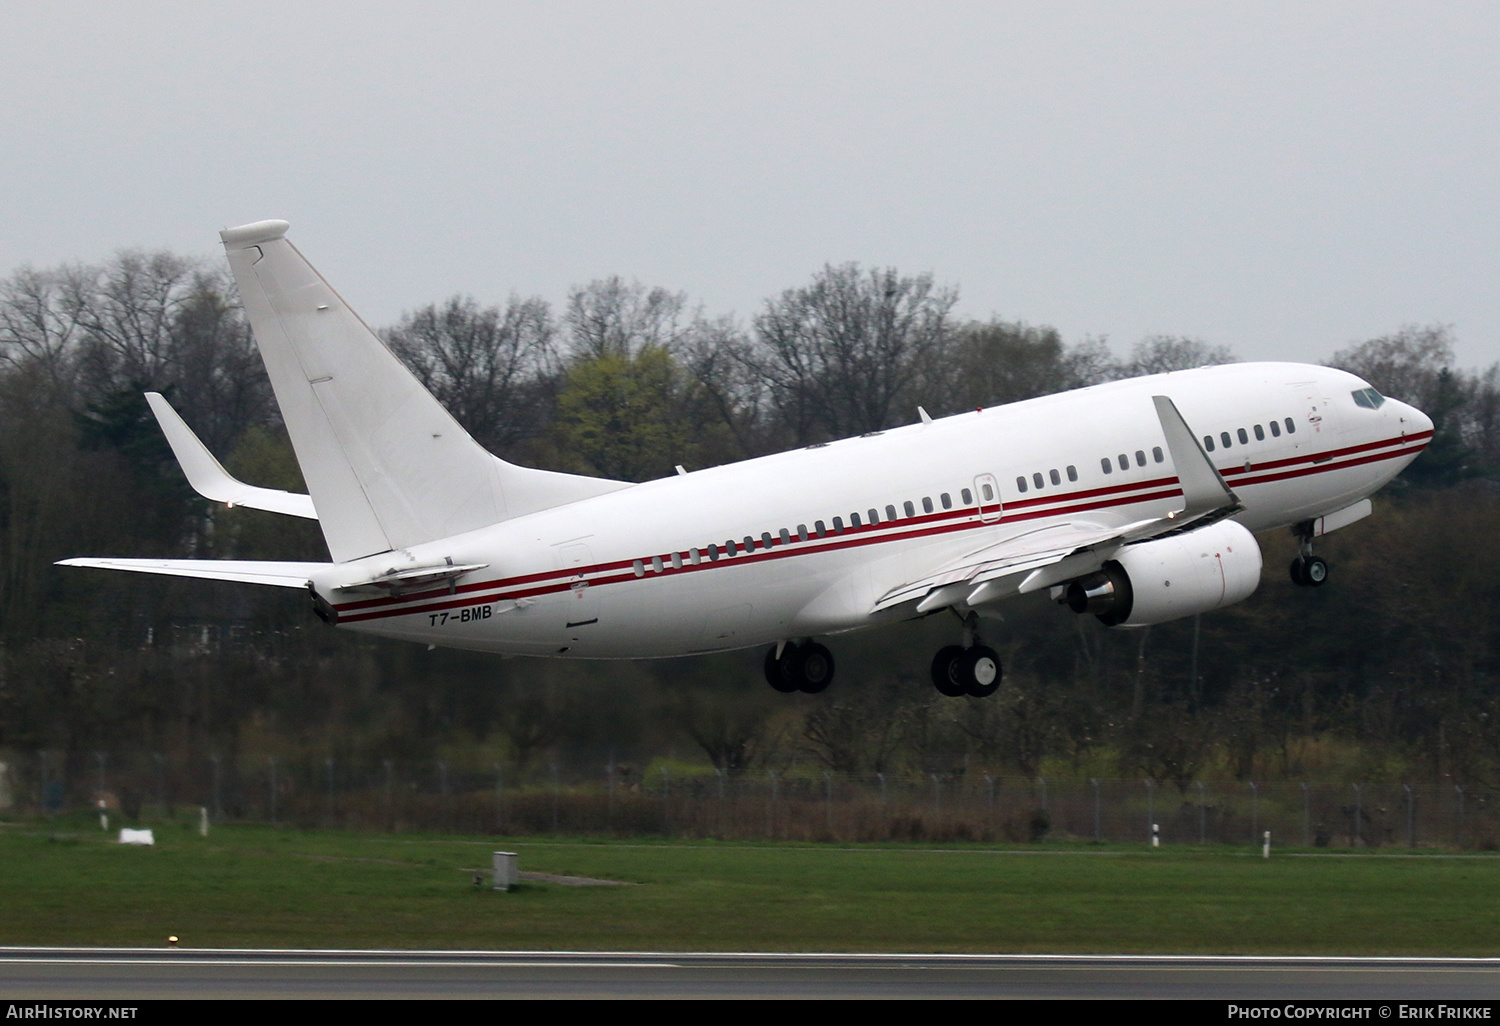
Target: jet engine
x=1169 y=578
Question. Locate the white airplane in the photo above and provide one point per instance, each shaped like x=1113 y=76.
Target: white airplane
x=1133 y=500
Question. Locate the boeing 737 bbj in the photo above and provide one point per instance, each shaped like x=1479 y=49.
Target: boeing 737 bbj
x=1134 y=501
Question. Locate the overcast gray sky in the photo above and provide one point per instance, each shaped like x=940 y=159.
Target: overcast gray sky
x=1284 y=178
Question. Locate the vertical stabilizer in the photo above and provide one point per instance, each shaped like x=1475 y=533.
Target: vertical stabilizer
x=387 y=466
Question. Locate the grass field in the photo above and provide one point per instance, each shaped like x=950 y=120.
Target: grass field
x=263 y=887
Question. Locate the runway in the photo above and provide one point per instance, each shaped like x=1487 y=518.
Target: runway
x=146 y=974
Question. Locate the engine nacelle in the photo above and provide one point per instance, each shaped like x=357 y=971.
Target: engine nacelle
x=1170 y=578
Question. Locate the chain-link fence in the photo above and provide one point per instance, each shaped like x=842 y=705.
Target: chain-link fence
x=798 y=803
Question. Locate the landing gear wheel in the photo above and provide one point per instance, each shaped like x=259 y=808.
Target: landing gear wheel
x=945 y=672
x=1309 y=572
x=807 y=668
x=776 y=671
x=1315 y=571
x=980 y=671
x=815 y=668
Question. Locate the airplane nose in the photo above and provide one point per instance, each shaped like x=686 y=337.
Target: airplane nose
x=1413 y=420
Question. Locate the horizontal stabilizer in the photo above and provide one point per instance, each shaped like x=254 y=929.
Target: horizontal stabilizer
x=245 y=571
x=209 y=478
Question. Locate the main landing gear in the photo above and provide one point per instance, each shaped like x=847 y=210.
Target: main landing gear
x=968 y=669
x=1307 y=570
x=804 y=666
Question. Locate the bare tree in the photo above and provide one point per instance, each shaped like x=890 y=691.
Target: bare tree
x=482 y=363
x=1156 y=354
x=841 y=356
x=610 y=317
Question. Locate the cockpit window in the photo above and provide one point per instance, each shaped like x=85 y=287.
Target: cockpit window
x=1368 y=398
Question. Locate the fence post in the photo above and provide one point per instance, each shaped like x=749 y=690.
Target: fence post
x=390 y=798
x=556 y=787
x=218 y=805
x=1254 y=812
x=500 y=797
x=161 y=783
x=1306 y=817
x=1411 y=837
x=1359 y=809
x=828 y=801
x=771 y=809
x=1460 y=790
x=1150 y=810
x=666 y=807
x=1202 y=817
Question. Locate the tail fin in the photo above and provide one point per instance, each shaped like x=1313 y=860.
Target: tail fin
x=387 y=466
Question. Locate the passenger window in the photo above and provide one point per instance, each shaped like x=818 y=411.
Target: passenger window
x=713 y=553
x=926 y=504
x=989 y=492
x=676 y=561
x=802 y=532
x=766 y=541
x=853 y=519
x=1260 y=433
x=1244 y=438
x=1140 y=458
x=875 y=517
x=1291 y=427
x=1072 y=472
x=911 y=510
x=749 y=543
x=838 y=525
x=967 y=496
x=1055 y=476
x=639 y=568
x=656 y=564
x=1106 y=466
x=1275 y=430
x=947 y=500
x=786 y=536
x=1156 y=453
x=694 y=556
x=1208 y=443
x=819 y=528
x=1036 y=479
x=890 y=512
x=1020 y=484
x=1124 y=461
x=1224 y=437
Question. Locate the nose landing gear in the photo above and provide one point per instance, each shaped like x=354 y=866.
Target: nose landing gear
x=799 y=666
x=1307 y=570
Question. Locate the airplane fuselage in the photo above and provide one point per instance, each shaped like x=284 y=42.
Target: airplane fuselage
x=808 y=542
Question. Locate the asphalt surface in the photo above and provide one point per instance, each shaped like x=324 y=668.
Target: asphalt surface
x=145 y=974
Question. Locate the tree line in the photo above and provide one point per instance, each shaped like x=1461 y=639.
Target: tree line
x=1392 y=665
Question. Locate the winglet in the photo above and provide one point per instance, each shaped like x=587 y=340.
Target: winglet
x=208 y=476
x=1203 y=488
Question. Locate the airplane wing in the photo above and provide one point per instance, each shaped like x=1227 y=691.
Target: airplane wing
x=245 y=571
x=1060 y=552
x=209 y=478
